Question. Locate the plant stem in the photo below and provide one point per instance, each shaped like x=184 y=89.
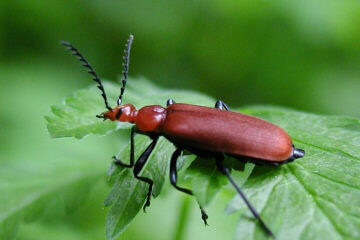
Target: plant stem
x=182 y=219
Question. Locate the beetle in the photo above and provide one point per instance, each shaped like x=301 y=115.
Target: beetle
x=204 y=131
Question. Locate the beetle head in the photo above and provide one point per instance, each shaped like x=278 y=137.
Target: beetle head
x=122 y=113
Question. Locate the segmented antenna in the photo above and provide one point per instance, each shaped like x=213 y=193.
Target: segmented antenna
x=125 y=64
x=86 y=64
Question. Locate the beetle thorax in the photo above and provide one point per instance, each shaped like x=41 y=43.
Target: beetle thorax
x=150 y=118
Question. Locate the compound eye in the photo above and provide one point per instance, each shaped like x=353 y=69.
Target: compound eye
x=118 y=113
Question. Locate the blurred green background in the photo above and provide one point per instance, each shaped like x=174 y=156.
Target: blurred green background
x=299 y=54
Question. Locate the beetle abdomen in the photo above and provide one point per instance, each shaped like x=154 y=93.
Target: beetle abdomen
x=217 y=130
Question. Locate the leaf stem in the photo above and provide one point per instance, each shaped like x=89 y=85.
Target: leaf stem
x=181 y=225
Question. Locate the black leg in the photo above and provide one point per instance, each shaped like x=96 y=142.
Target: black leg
x=221 y=105
x=118 y=161
x=226 y=171
x=139 y=165
x=173 y=180
x=170 y=101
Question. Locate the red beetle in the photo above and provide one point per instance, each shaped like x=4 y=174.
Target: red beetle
x=204 y=131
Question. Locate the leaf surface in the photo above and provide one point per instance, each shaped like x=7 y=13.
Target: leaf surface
x=316 y=197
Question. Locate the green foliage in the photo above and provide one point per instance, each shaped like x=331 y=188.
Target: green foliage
x=301 y=54
x=29 y=199
x=314 y=197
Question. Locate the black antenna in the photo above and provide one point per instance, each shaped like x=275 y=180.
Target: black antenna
x=86 y=64
x=125 y=64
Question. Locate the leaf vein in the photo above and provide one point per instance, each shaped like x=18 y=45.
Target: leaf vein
x=331 y=221
x=327 y=178
x=326 y=149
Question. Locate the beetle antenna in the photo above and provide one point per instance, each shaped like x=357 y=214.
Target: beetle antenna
x=125 y=64
x=87 y=65
x=226 y=171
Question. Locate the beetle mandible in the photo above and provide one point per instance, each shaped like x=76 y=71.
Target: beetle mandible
x=204 y=131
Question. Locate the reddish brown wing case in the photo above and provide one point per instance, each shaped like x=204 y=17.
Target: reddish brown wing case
x=224 y=131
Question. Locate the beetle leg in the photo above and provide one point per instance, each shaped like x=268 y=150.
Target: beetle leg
x=225 y=170
x=118 y=161
x=173 y=180
x=221 y=105
x=170 y=101
x=139 y=165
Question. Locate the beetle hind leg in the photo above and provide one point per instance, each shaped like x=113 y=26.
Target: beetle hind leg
x=173 y=181
x=221 y=105
x=226 y=171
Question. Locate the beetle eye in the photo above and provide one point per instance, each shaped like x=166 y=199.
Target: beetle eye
x=118 y=113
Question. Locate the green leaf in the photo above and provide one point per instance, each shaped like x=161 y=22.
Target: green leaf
x=316 y=197
x=76 y=116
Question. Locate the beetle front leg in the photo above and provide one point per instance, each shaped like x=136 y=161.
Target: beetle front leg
x=226 y=171
x=118 y=161
x=221 y=105
x=139 y=165
x=173 y=180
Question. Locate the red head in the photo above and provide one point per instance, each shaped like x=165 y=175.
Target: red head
x=123 y=113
